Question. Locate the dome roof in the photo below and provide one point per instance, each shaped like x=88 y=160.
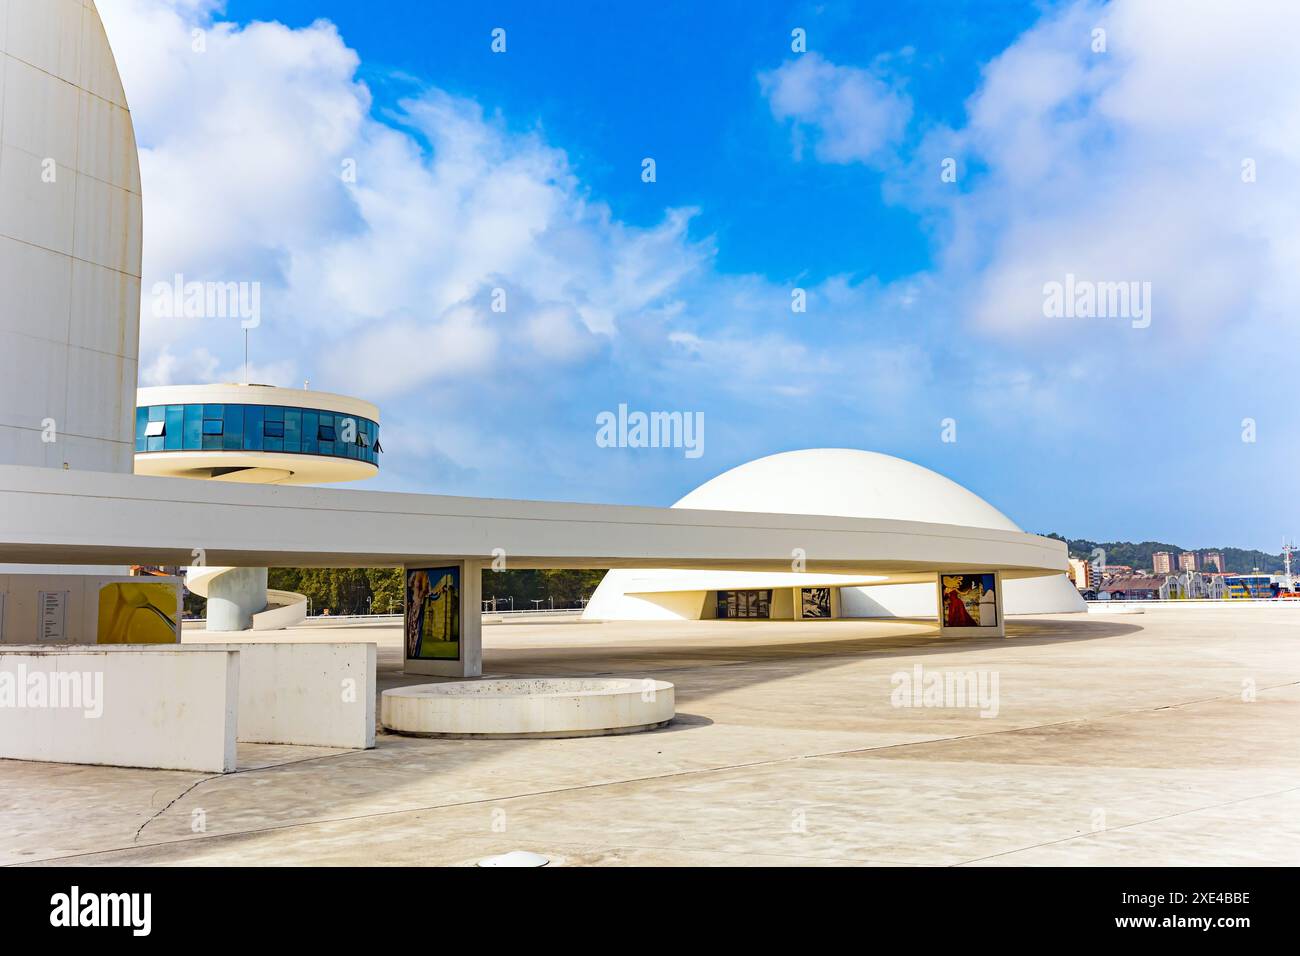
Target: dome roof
x=849 y=483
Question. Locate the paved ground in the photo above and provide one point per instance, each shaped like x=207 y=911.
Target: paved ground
x=1118 y=739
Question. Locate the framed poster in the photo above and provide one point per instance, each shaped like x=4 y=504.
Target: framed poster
x=433 y=614
x=815 y=603
x=969 y=601
x=733 y=605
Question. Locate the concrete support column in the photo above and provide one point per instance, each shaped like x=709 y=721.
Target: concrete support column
x=958 y=600
x=468 y=578
x=234 y=597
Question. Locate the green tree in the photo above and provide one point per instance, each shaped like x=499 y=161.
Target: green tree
x=382 y=590
x=387 y=589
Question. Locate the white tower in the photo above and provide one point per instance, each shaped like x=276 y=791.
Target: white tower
x=70 y=227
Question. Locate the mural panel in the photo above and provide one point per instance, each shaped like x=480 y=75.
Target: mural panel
x=969 y=600
x=131 y=613
x=433 y=614
x=816 y=602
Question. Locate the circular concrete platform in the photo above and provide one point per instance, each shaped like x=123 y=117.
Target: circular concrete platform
x=528 y=707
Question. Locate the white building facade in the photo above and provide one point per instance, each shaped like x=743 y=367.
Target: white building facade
x=70 y=240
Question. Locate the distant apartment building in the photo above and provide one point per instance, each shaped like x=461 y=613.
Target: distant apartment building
x=1187 y=561
x=1082 y=574
x=1213 y=561
x=1162 y=562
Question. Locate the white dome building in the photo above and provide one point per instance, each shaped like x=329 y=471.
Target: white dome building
x=822 y=481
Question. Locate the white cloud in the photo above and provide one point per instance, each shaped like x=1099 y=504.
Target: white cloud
x=384 y=286
x=381 y=285
x=394 y=357
x=1127 y=165
x=851 y=114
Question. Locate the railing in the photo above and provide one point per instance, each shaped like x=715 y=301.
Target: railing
x=1195 y=602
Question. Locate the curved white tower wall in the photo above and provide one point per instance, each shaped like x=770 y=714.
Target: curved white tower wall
x=235 y=596
x=70 y=231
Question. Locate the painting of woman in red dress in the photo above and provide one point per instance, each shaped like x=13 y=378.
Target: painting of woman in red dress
x=963 y=596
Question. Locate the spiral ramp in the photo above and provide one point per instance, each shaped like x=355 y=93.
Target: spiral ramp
x=231 y=600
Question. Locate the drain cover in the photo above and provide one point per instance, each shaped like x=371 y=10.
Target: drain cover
x=515 y=858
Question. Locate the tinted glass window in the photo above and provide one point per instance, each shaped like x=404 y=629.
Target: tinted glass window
x=253 y=427
x=141 y=419
x=175 y=427
x=233 y=439
x=193 y=437
x=292 y=429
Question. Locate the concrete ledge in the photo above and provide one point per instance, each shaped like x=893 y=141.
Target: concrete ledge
x=165 y=706
x=532 y=707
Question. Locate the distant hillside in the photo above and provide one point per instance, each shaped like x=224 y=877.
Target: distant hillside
x=1138 y=555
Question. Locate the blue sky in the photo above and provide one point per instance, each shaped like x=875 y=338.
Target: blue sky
x=776 y=170
x=611 y=83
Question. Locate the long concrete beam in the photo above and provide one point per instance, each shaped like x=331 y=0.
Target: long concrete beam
x=73 y=517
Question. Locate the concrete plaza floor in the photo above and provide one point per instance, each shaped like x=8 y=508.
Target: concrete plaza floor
x=1171 y=737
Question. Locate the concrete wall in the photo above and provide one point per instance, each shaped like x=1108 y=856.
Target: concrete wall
x=170 y=707
x=70 y=234
x=783 y=604
x=183 y=707
x=668 y=606
x=312 y=695
x=20 y=613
